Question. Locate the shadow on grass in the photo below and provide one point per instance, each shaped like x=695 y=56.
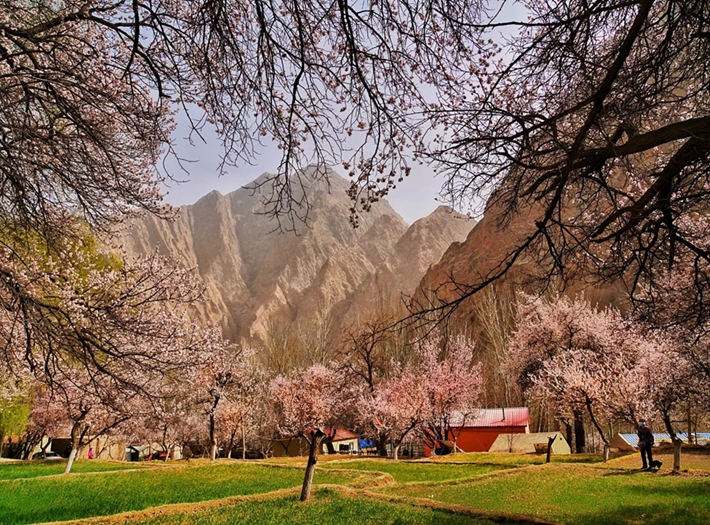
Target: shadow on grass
x=655 y=512
x=629 y=472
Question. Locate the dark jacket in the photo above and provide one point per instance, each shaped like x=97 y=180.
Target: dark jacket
x=645 y=437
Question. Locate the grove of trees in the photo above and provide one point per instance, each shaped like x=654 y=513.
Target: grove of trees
x=583 y=124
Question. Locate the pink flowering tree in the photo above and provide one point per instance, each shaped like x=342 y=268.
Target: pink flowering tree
x=453 y=382
x=309 y=403
x=170 y=417
x=92 y=320
x=597 y=362
x=396 y=408
x=46 y=418
x=234 y=422
x=570 y=354
x=90 y=407
x=226 y=373
x=669 y=380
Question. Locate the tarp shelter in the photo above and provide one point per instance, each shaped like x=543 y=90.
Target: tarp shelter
x=629 y=442
x=365 y=445
x=525 y=443
x=478 y=431
x=137 y=452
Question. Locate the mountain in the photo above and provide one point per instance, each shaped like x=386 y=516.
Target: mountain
x=257 y=277
x=485 y=250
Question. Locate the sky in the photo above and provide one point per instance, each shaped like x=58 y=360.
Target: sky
x=414 y=198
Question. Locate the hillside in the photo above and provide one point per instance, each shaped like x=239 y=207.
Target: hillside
x=257 y=277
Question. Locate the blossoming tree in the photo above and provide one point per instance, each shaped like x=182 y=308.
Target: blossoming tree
x=309 y=403
x=453 y=382
x=396 y=408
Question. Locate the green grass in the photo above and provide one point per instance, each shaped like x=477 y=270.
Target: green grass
x=584 y=493
x=579 y=494
x=325 y=507
x=72 y=497
x=33 y=469
x=519 y=459
x=408 y=471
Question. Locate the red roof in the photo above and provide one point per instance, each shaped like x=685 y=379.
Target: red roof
x=341 y=435
x=495 y=417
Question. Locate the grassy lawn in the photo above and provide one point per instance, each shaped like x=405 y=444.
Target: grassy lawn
x=33 y=469
x=518 y=459
x=408 y=471
x=326 y=507
x=689 y=459
x=72 y=497
x=450 y=492
x=580 y=494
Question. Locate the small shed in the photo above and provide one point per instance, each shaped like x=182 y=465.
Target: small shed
x=526 y=443
x=478 y=431
x=137 y=452
x=629 y=442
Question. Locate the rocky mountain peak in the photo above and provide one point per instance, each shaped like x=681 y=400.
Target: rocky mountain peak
x=257 y=276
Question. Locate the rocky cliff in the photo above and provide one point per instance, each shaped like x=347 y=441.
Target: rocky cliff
x=256 y=276
x=486 y=250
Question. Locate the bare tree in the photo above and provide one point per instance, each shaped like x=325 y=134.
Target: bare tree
x=495 y=311
x=592 y=134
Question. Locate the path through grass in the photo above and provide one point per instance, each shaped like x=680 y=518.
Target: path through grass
x=408 y=471
x=72 y=497
x=326 y=507
x=580 y=494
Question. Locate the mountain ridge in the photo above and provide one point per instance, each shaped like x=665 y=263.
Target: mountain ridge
x=256 y=277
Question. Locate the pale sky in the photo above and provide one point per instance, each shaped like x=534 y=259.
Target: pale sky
x=412 y=199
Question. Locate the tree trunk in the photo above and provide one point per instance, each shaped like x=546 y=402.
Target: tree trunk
x=677 y=442
x=244 y=442
x=677 y=445
x=75 y=442
x=316 y=437
x=213 y=437
x=569 y=434
x=382 y=445
x=599 y=429
x=690 y=424
x=550 y=441
x=579 y=437
x=395 y=451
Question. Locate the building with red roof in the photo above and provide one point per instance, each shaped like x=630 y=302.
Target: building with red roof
x=477 y=432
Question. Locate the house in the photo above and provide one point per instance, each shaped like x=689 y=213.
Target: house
x=477 y=432
x=344 y=442
x=14 y=446
x=629 y=442
x=530 y=443
x=292 y=447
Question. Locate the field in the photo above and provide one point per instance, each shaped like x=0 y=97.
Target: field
x=465 y=488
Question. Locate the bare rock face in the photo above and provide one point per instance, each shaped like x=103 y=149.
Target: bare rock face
x=421 y=246
x=256 y=276
x=485 y=251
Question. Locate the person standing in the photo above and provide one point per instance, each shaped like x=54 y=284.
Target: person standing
x=645 y=444
x=91 y=453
